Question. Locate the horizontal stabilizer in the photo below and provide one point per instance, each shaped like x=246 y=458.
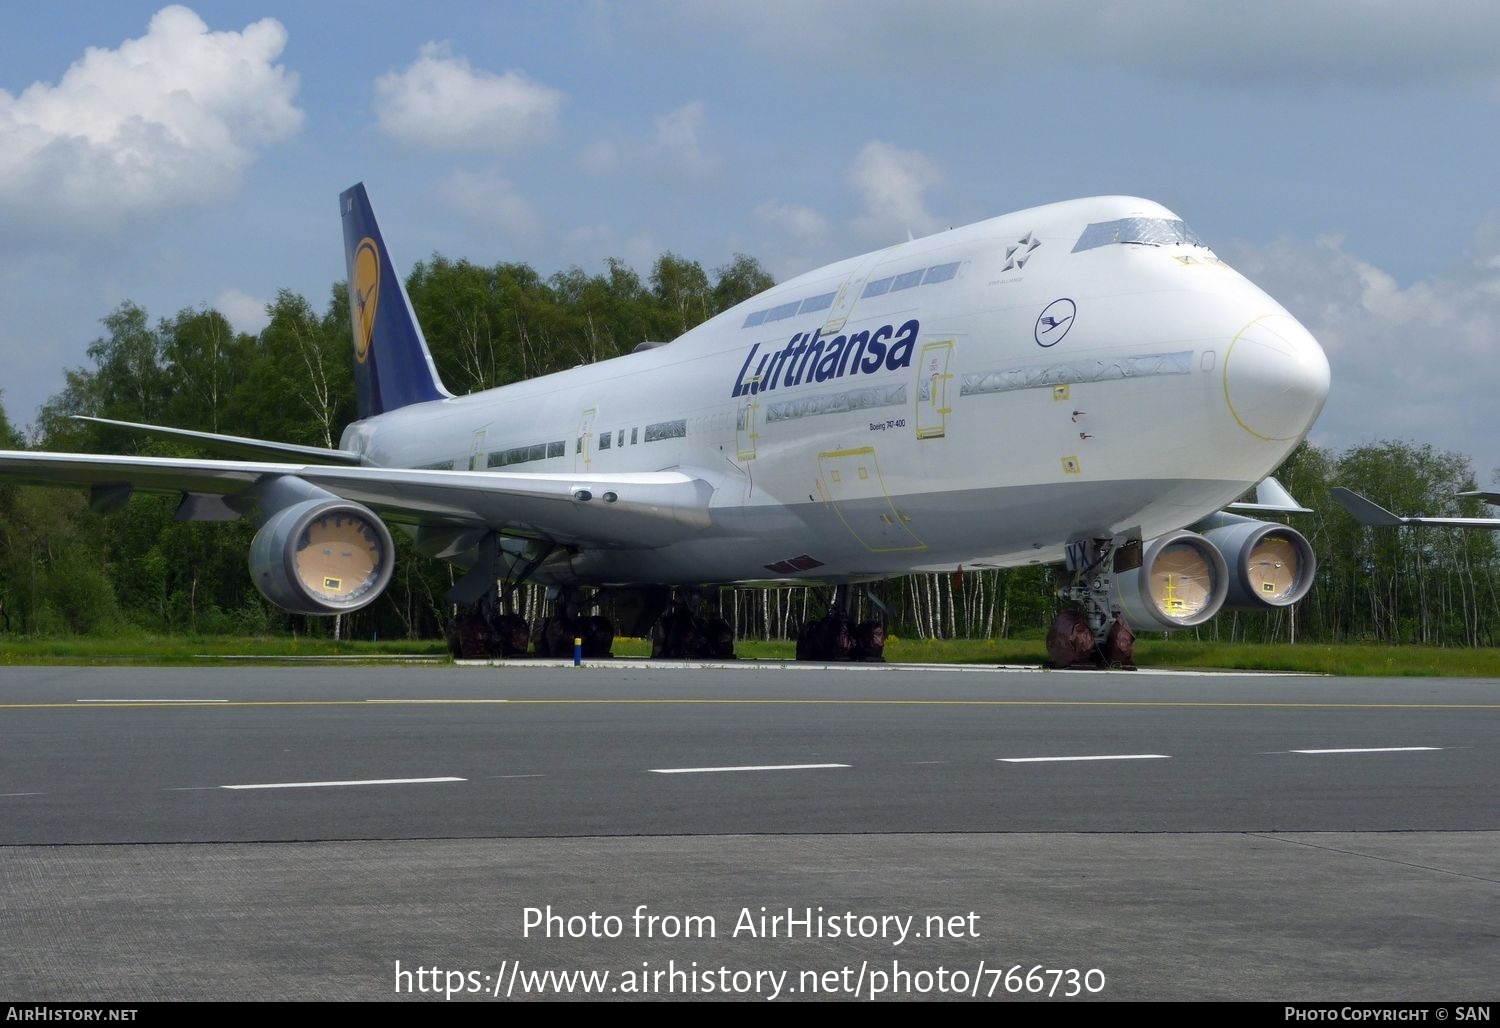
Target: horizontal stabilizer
x=1271 y=497
x=1368 y=512
x=1487 y=497
x=234 y=445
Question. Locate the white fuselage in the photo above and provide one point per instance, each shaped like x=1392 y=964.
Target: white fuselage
x=1017 y=384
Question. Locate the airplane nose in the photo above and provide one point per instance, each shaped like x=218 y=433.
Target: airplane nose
x=1275 y=378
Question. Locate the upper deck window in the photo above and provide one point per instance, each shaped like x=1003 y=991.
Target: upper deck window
x=786 y=310
x=816 y=303
x=1140 y=231
x=941 y=273
x=908 y=280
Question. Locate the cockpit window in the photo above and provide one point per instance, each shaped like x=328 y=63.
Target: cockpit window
x=1141 y=231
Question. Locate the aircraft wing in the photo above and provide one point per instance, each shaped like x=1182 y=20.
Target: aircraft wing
x=1368 y=512
x=618 y=511
x=1487 y=497
x=233 y=445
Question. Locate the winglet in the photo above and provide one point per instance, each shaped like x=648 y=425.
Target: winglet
x=392 y=366
x=1366 y=512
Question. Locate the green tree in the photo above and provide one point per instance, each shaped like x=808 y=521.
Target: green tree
x=681 y=289
x=204 y=361
x=298 y=385
x=738 y=281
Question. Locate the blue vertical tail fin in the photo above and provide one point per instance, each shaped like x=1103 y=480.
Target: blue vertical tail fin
x=392 y=366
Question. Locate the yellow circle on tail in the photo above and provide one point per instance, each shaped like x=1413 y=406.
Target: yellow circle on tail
x=364 y=296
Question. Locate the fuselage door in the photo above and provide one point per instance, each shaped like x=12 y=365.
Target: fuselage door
x=745 y=433
x=848 y=295
x=934 y=392
x=478 y=459
x=583 y=448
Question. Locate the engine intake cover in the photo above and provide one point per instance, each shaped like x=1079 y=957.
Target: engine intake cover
x=1182 y=582
x=1270 y=565
x=322 y=557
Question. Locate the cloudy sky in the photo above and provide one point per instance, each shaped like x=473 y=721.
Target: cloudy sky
x=1345 y=154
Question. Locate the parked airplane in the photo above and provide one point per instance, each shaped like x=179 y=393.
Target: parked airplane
x=1078 y=382
x=1368 y=512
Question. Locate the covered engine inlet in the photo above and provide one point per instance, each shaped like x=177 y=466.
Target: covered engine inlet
x=322 y=556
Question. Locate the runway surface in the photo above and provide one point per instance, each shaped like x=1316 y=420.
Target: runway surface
x=1147 y=825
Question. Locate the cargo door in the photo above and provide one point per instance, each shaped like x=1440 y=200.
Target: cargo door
x=850 y=482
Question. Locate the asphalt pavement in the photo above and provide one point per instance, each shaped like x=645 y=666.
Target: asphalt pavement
x=253 y=832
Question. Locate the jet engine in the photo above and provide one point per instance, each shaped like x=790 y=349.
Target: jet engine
x=322 y=556
x=1270 y=565
x=1182 y=581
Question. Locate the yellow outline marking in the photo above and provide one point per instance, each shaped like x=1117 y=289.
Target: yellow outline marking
x=885 y=493
x=937 y=379
x=1230 y=403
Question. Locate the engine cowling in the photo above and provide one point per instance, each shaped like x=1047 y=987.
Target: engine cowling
x=1182 y=582
x=322 y=556
x=1270 y=565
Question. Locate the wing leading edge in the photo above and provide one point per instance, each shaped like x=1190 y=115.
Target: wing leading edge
x=617 y=511
x=232 y=445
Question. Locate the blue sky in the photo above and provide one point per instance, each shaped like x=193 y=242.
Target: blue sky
x=1343 y=154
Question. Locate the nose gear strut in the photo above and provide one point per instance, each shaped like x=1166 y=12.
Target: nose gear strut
x=1094 y=634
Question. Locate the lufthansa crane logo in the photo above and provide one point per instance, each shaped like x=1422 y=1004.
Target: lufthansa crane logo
x=1054 y=322
x=366 y=296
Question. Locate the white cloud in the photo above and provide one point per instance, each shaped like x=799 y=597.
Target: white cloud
x=804 y=226
x=441 y=102
x=244 y=312
x=169 y=119
x=891 y=184
x=492 y=201
x=590 y=245
x=601 y=157
x=674 y=148
x=1413 y=362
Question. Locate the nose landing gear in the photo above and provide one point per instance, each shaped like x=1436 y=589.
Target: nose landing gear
x=1095 y=635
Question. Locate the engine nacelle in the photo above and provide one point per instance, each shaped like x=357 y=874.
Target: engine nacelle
x=1182 y=582
x=1270 y=565
x=322 y=556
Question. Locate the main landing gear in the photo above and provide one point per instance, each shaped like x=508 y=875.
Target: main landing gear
x=1095 y=634
x=555 y=633
x=835 y=636
x=482 y=632
x=684 y=631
